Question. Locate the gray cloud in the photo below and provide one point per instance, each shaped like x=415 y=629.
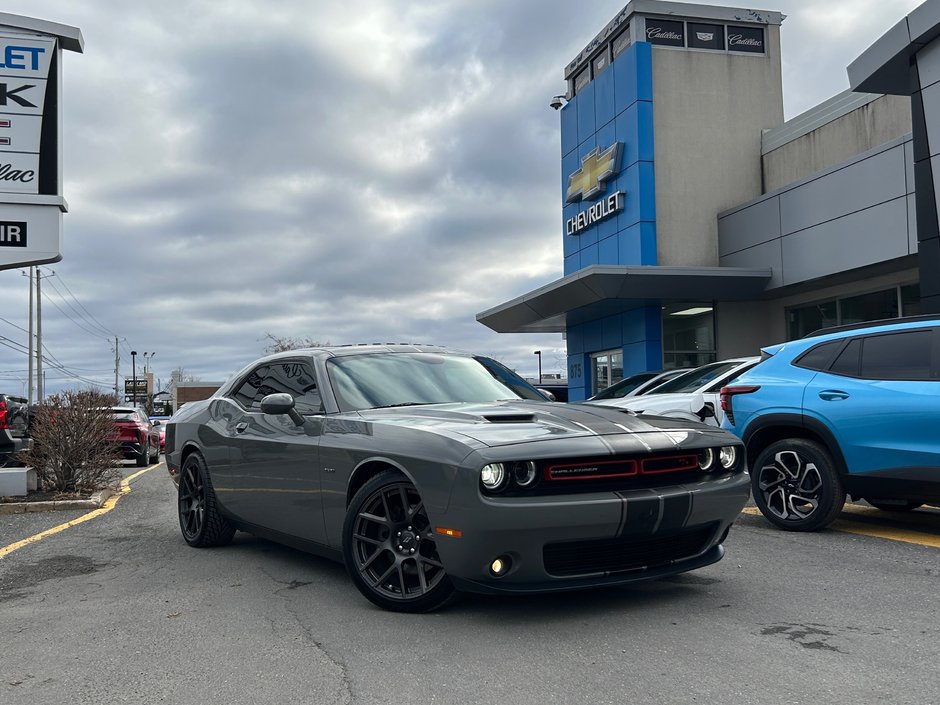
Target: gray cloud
x=354 y=172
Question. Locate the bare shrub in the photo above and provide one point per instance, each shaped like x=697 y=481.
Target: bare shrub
x=278 y=343
x=73 y=442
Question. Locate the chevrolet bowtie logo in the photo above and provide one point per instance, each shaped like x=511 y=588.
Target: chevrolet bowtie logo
x=596 y=168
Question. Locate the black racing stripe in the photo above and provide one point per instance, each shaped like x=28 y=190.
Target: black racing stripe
x=642 y=515
x=676 y=511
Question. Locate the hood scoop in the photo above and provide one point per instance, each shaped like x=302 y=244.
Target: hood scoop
x=509 y=418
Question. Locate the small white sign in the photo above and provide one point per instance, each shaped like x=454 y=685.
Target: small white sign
x=30 y=234
x=20 y=133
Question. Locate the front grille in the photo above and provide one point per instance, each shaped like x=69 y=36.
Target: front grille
x=624 y=554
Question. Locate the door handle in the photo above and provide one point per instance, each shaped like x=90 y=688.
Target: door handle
x=241 y=427
x=832 y=395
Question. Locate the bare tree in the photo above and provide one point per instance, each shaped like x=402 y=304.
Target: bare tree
x=279 y=343
x=73 y=442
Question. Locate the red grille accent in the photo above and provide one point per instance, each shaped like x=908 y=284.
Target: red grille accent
x=606 y=469
x=593 y=471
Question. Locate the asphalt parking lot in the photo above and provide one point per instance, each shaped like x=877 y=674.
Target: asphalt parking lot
x=119 y=609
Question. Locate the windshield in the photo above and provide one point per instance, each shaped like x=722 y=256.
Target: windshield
x=698 y=377
x=402 y=379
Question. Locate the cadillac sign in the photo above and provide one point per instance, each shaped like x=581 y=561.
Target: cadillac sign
x=589 y=181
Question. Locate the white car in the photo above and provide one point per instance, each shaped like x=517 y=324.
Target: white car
x=693 y=395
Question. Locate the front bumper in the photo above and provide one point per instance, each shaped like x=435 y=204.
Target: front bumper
x=568 y=542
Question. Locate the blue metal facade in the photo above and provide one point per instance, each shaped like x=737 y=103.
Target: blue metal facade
x=616 y=106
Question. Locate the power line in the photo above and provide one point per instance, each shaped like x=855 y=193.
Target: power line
x=86 y=316
x=73 y=320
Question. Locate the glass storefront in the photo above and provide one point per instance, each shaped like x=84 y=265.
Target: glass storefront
x=873 y=306
x=607 y=369
x=688 y=334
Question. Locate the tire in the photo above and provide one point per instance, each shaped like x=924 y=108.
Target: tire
x=796 y=486
x=143 y=460
x=401 y=577
x=202 y=524
x=890 y=506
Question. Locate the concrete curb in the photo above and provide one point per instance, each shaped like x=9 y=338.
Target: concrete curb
x=97 y=499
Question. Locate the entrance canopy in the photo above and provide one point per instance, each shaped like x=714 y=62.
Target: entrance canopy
x=598 y=291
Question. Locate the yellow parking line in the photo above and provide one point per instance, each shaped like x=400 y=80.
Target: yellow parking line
x=103 y=509
x=863 y=529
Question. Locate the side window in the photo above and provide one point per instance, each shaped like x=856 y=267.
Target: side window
x=819 y=357
x=847 y=362
x=897 y=356
x=250 y=390
x=296 y=378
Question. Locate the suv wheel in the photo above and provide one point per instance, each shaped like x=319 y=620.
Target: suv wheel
x=796 y=486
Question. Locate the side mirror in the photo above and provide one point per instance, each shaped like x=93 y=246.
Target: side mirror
x=278 y=404
x=547 y=394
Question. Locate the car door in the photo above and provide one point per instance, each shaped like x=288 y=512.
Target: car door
x=881 y=399
x=274 y=469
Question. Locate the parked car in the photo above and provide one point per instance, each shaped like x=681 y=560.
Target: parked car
x=554 y=392
x=428 y=471
x=14 y=428
x=138 y=438
x=159 y=422
x=850 y=410
x=693 y=395
x=639 y=383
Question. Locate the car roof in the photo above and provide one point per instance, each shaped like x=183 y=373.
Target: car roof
x=837 y=333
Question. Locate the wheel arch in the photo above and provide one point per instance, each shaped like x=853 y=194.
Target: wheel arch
x=367 y=469
x=188 y=449
x=775 y=427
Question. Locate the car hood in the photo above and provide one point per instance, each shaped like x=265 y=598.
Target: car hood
x=511 y=422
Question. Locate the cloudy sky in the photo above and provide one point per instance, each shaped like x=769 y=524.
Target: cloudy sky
x=347 y=171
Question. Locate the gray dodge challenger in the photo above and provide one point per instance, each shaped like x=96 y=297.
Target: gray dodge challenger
x=429 y=471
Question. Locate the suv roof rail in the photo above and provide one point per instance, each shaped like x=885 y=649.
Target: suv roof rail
x=874 y=324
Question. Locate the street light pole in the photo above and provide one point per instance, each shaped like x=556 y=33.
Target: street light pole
x=134 y=378
x=539 y=353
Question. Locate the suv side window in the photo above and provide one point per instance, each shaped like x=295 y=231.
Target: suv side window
x=897 y=356
x=295 y=377
x=819 y=357
x=847 y=362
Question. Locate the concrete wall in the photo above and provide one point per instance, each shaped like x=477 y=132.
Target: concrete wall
x=856 y=214
x=882 y=120
x=186 y=393
x=708 y=110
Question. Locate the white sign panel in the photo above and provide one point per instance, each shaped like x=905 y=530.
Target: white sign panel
x=24 y=68
x=36 y=230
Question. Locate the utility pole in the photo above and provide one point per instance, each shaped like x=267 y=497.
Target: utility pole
x=134 y=378
x=117 y=361
x=39 y=389
x=30 y=384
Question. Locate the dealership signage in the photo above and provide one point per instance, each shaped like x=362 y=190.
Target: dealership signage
x=140 y=389
x=589 y=181
x=31 y=200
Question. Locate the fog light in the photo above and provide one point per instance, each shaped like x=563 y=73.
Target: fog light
x=706 y=458
x=493 y=476
x=500 y=565
x=727 y=456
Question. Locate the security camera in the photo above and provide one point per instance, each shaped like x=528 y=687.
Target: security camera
x=558 y=102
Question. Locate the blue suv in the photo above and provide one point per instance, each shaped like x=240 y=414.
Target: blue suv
x=854 y=410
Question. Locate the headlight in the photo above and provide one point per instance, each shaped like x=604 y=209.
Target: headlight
x=493 y=476
x=727 y=456
x=525 y=474
x=706 y=458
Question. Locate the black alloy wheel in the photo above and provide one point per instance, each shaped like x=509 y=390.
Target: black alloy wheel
x=389 y=547
x=200 y=520
x=796 y=486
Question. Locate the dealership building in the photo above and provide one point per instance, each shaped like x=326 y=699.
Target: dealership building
x=698 y=225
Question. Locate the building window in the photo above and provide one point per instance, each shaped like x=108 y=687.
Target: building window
x=688 y=334
x=887 y=303
x=606 y=369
